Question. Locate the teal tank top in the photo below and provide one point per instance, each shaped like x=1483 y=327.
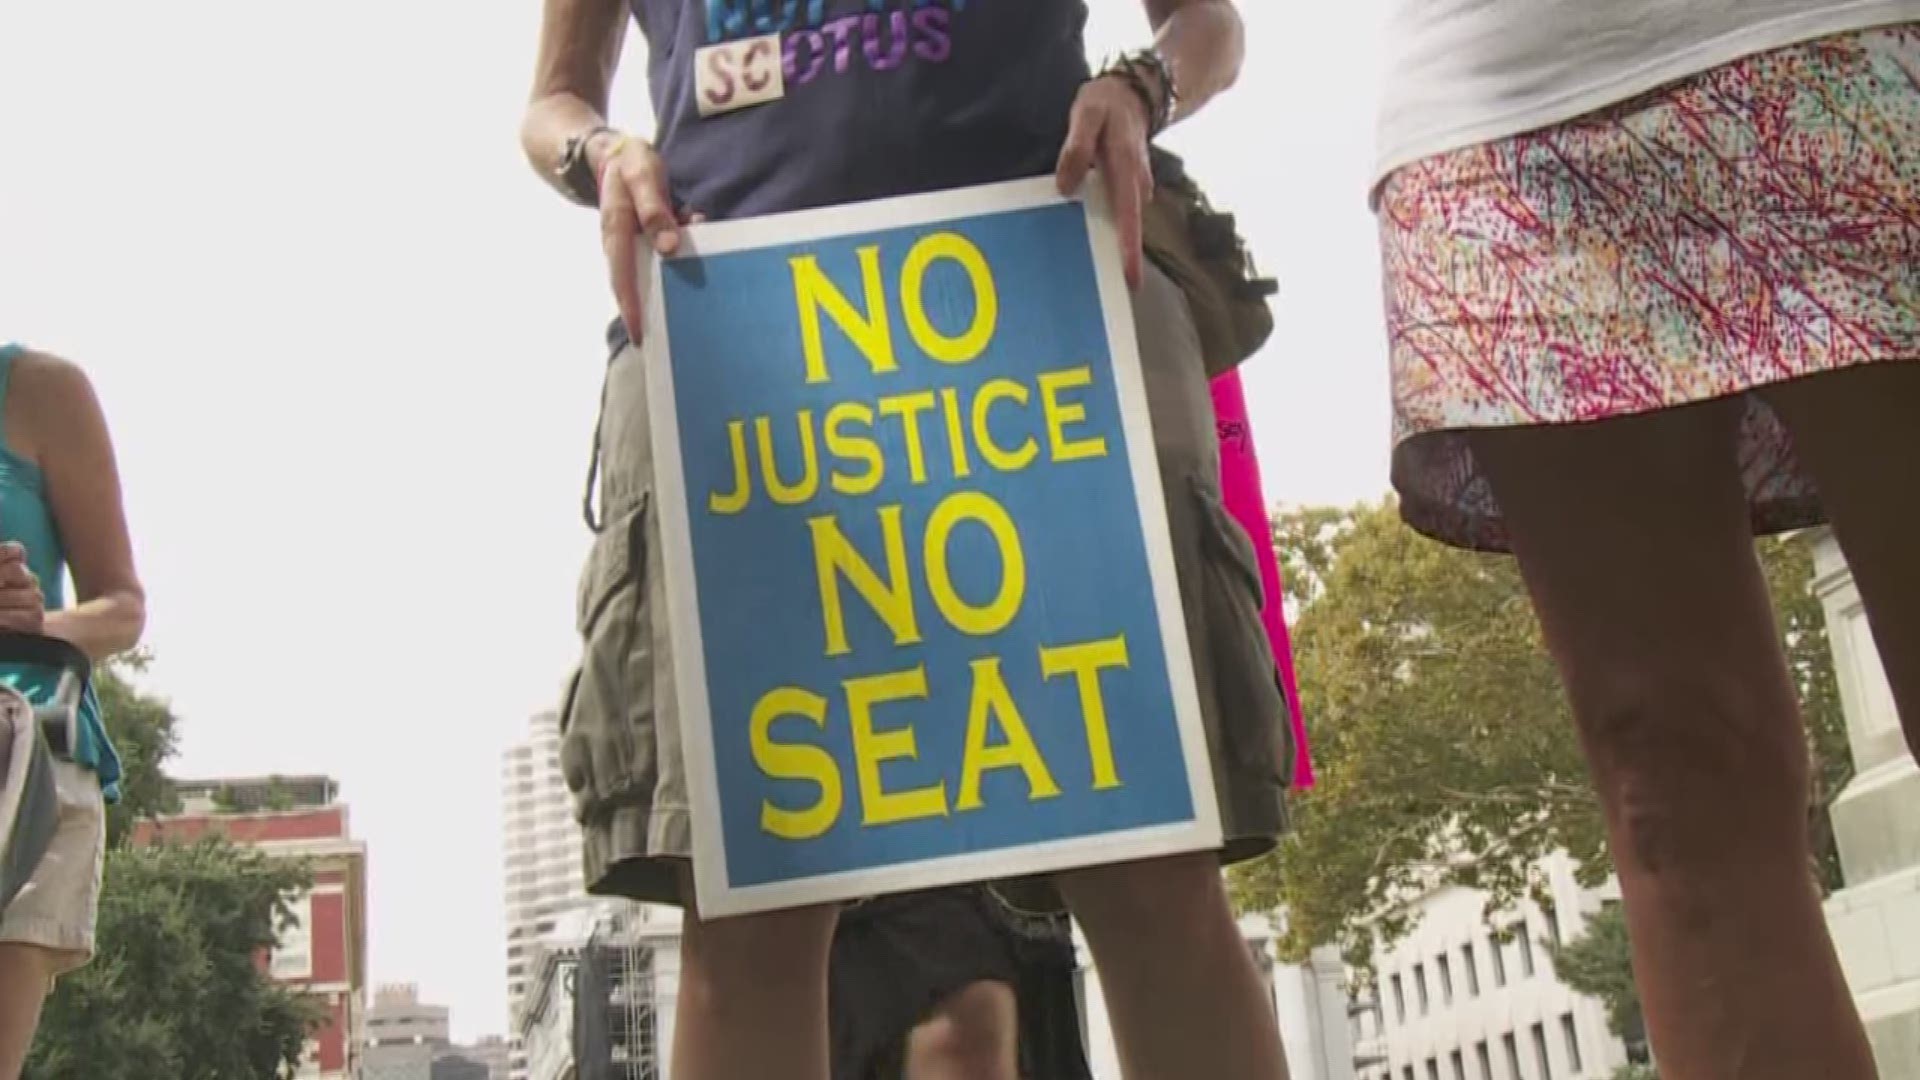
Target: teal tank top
x=26 y=518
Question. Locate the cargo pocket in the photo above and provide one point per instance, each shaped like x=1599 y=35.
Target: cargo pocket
x=607 y=714
x=1251 y=709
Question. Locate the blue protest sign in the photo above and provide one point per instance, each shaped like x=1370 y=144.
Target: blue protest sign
x=923 y=609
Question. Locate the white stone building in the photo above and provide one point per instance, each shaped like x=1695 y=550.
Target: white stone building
x=1875 y=920
x=1456 y=1002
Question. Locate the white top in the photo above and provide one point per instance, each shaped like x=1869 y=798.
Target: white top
x=1463 y=72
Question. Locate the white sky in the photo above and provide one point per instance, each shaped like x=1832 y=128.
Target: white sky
x=350 y=349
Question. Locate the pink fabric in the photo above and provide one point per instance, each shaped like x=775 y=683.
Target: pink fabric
x=1240 y=483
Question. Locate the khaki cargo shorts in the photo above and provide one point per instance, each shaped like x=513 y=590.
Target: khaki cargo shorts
x=621 y=747
x=56 y=908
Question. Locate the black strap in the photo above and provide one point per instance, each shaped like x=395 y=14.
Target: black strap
x=47 y=652
x=57 y=720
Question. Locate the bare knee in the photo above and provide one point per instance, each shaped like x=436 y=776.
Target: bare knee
x=974 y=1034
x=1697 y=768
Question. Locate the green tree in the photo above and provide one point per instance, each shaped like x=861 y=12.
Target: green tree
x=1599 y=964
x=1788 y=562
x=177 y=992
x=143 y=729
x=1443 y=746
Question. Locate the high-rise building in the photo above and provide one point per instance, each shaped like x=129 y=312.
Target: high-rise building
x=324 y=949
x=542 y=857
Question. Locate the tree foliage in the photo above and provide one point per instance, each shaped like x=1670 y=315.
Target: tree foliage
x=143 y=730
x=1599 y=964
x=1444 y=749
x=176 y=990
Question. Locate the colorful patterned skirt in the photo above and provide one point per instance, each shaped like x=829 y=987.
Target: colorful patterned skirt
x=1757 y=223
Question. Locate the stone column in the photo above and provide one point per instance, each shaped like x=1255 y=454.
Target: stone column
x=1875 y=920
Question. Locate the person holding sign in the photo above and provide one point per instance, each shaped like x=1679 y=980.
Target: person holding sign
x=783 y=105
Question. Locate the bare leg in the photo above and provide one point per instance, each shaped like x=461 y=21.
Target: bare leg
x=1633 y=536
x=973 y=1035
x=1859 y=434
x=1178 y=978
x=24 y=980
x=753 y=996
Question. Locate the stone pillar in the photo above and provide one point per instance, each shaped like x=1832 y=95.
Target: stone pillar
x=1327 y=982
x=1875 y=920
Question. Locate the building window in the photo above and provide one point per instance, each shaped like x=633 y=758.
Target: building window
x=1553 y=927
x=292 y=956
x=1572 y=1036
x=1467 y=967
x=1433 y=1069
x=1407 y=1073
x=1445 y=967
x=1420 y=986
x=1512 y=1047
x=1399 y=1000
x=1526 y=952
x=1499 y=960
x=1486 y=1059
x=1540 y=1051
x=1459 y=1066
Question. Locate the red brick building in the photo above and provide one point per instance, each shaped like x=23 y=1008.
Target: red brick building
x=326 y=952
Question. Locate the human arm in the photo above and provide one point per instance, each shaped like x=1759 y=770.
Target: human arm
x=1202 y=44
x=70 y=442
x=573 y=78
x=574 y=66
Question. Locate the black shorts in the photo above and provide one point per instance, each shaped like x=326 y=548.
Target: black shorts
x=895 y=958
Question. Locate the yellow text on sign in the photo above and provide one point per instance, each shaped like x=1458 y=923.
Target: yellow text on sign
x=962 y=426
x=882 y=713
x=870 y=327
x=889 y=593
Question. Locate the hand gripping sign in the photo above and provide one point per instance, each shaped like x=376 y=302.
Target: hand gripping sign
x=923 y=603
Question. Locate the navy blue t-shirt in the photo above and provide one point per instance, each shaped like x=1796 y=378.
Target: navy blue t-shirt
x=882 y=97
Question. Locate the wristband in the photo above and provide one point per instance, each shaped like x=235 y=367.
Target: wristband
x=575 y=174
x=1158 y=101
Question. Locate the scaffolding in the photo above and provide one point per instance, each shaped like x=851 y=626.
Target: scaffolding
x=616 y=1009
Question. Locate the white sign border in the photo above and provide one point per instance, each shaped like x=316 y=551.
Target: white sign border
x=715 y=896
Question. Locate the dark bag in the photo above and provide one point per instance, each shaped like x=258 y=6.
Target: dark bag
x=29 y=805
x=30 y=738
x=1200 y=249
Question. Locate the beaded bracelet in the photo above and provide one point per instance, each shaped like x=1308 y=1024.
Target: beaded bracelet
x=1159 y=102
